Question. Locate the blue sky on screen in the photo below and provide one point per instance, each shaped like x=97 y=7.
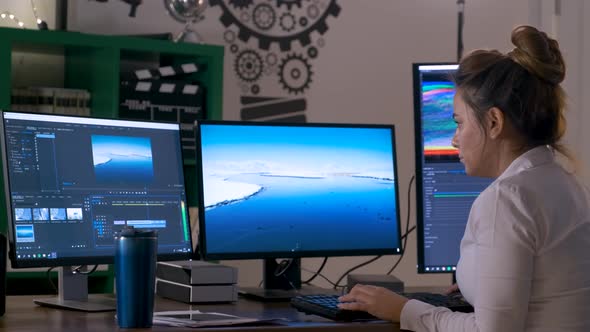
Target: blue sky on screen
x=317 y=148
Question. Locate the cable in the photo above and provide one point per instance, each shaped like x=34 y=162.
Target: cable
x=74 y=271
x=317 y=273
x=280 y=270
x=460 y=22
x=283 y=266
x=48 y=274
x=322 y=276
x=34 y=10
x=79 y=271
x=293 y=287
x=408 y=232
x=337 y=283
x=396 y=264
x=408 y=229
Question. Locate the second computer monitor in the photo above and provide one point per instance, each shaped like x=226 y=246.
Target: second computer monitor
x=297 y=190
x=444 y=193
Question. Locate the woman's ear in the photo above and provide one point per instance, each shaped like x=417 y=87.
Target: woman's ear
x=495 y=122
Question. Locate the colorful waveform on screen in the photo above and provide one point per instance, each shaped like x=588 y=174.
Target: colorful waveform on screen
x=438 y=126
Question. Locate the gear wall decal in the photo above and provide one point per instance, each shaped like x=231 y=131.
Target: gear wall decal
x=289 y=3
x=248 y=65
x=272 y=44
x=241 y=4
x=295 y=73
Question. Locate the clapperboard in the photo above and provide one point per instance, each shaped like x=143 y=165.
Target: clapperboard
x=165 y=94
x=166 y=71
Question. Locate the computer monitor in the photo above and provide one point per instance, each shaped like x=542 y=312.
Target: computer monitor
x=71 y=182
x=444 y=193
x=275 y=190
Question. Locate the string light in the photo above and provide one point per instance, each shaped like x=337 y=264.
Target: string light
x=10 y=16
x=42 y=25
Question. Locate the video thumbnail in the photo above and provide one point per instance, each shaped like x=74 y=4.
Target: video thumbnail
x=122 y=159
x=25 y=233
x=22 y=214
x=74 y=213
x=40 y=214
x=57 y=213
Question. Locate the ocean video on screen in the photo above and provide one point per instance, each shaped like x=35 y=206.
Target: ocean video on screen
x=25 y=233
x=438 y=126
x=286 y=189
x=120 y=159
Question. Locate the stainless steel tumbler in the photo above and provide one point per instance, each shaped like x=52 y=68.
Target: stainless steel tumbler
x=135 y=276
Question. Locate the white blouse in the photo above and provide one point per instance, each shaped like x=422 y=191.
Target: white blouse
x=525 y=255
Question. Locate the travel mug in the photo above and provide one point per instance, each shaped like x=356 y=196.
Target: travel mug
x=135 y=276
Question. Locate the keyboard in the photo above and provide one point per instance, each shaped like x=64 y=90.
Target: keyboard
x=454 y=301
x=327 y=305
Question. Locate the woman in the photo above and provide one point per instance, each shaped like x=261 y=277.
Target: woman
x=525 y=254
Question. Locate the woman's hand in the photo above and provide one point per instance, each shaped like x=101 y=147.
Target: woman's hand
x=378 y=301
x=453 y=289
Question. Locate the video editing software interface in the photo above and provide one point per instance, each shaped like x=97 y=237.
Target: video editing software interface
x=297 y=190
x=74 y=182
x=444 y=192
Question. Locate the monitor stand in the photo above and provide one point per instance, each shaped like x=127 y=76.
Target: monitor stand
x=73 y=294
x=283 y=287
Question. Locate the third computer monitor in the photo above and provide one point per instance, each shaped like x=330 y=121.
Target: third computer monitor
x=444 y=193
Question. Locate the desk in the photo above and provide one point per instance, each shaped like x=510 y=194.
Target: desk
x=23 y=315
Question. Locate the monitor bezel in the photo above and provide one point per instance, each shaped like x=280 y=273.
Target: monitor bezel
x=419 y=158
x=71 y=261
x=289 y=254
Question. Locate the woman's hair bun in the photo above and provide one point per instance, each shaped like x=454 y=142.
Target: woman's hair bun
x=538 y=53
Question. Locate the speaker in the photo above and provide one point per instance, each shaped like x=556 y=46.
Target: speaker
x=3 y=255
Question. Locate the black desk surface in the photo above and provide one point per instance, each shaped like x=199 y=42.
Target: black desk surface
x=23 y=315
